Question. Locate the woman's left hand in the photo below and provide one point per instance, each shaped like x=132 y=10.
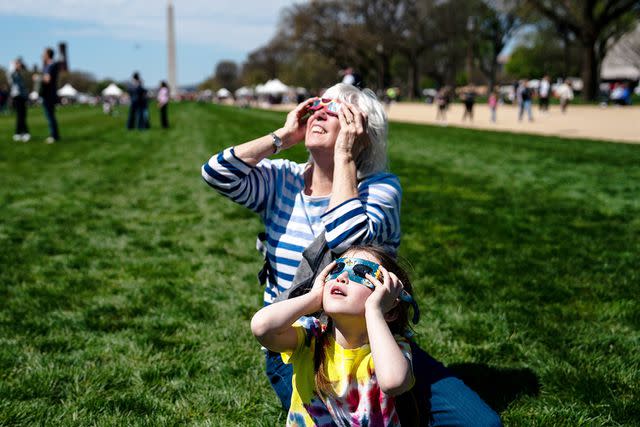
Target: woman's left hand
x=353 y=135
x=385 y=295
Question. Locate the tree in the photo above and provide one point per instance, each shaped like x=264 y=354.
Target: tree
x=81 y=80
x=497 y=25
x=226 y=75
x=543 y=53
x=595 y=23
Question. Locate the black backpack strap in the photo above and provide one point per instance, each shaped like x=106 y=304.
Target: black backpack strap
x=314 y=258
x=266 y=272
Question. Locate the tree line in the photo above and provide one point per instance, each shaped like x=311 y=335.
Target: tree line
x=413 y=44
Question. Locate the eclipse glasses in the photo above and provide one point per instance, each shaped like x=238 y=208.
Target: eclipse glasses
x=358 y=268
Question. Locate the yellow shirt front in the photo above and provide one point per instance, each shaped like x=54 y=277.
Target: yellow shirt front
x=356 y=400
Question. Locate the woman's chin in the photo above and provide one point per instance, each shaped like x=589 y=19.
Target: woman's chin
x=316 y=143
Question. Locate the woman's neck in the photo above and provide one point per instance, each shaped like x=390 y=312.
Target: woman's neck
x=350 y=333
x=318 y=179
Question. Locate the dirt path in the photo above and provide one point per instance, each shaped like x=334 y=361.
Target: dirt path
x=580 y=121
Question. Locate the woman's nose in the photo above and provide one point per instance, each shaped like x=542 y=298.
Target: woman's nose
x=321 y=114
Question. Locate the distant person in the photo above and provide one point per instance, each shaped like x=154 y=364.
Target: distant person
x=565 y=95
x=493 y=104
x=523 y=94
x=163 y=103
x=442 y=101
x=48 y=90
x=469 y=100
x=544 y=92
x=138 y=109
x=390 y=97
x=621 y=94
x=350 y=77
x=19 y=97
x=4 y=98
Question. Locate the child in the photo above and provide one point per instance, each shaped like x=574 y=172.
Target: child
x=349 y=372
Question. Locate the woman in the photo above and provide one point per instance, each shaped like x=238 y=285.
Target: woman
x=163 y=103
x=343 y=191
x=19 y=96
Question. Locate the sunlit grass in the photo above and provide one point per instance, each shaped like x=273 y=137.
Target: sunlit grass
x=127 y=285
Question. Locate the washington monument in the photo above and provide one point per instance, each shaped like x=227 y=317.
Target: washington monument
x=171 y=50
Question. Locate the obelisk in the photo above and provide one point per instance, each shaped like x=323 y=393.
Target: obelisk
x=171 y=51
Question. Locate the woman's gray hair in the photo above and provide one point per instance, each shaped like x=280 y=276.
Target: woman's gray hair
x=373 y=158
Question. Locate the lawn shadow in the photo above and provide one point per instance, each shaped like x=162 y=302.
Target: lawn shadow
x=498 y=387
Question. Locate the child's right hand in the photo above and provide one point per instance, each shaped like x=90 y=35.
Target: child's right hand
x=318 y=285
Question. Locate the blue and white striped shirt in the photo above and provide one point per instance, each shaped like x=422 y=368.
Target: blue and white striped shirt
x=275 y=190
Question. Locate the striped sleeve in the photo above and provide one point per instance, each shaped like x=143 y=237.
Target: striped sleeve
x=230 y=176
x=372 y=218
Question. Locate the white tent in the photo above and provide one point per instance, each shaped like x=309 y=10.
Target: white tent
x=67 y=91
x=112 y=90
x=244 y=91
x=223 y=93
x=273 y=87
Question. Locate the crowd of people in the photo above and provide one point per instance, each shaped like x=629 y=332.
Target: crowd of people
x=44 y=84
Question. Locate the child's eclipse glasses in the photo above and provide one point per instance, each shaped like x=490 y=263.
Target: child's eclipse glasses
x=330 y=106
x=358 y=268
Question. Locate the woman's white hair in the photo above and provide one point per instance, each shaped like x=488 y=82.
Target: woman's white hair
x=372 y=158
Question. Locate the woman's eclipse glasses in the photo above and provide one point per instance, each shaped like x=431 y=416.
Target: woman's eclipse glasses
x=358 y=268
x=330 y=106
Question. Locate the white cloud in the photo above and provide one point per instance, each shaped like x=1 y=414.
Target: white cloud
x=240 y=25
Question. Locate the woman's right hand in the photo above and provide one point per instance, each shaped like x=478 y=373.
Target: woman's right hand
x=295 y=127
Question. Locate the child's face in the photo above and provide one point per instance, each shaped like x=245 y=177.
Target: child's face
x=343 y=296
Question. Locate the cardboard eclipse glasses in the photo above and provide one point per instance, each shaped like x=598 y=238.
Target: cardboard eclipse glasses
x=358 y=268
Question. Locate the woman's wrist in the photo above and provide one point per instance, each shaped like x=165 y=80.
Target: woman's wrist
x=286 y=136
x=342 y=157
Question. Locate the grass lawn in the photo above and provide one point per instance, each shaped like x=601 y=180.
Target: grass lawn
x=127 y=285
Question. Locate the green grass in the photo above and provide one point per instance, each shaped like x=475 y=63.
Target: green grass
x=127 y=285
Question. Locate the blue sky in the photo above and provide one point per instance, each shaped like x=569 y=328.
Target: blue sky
x=112 y=38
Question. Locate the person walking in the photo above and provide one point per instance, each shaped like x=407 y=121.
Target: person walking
x=442 y=101
x=163 y=102
x=524 y=99
x=19 y=96
x=469 y=100
x=493 y=104
x=544 y=91
x=565 y=94
x=49 y=87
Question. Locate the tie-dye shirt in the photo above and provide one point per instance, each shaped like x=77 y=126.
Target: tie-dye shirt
x=357 y=398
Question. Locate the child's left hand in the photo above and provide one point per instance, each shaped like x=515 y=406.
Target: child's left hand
x=385 y=296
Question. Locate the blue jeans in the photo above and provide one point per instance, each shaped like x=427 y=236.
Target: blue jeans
x=525 y=106
x=447 y=400
x=50 y=112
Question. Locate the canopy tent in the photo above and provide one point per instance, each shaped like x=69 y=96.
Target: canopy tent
x=223 y=93
x=112 y=90
x=67 y=91
x=244 y=91
x=272 y=87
